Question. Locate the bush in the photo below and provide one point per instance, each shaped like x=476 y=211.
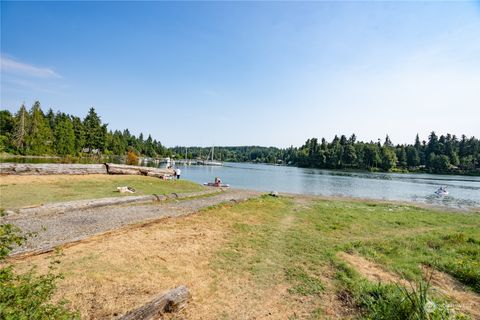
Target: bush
x=27 y=295
x=132 y=158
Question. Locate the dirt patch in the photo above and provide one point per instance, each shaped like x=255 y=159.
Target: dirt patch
x=334 y=304
x=468 y=301
x=372 y=271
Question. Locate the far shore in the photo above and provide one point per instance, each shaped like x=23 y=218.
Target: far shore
x=99 y=158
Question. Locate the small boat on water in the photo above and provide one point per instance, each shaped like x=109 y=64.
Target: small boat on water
x=218 y=185
x=442 y=191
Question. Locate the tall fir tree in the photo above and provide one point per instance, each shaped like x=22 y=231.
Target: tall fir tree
x=40 y=136
x=95 y=132
x=64 y=136
x=20 y=134
x=79 y=134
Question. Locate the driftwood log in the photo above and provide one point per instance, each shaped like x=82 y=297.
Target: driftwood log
x=51 y=168
x=171 y=301
x=67 y=206
x=61 y=168
x=113 y=168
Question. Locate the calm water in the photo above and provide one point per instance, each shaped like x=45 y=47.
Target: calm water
x=464 y=191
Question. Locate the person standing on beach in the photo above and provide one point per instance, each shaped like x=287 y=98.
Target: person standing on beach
x=178 y=172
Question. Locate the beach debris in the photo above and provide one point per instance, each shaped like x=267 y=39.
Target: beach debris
x=171 y=301
x=126 y=189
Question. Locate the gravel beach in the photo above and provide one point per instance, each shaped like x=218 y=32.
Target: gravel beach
x=61 y=228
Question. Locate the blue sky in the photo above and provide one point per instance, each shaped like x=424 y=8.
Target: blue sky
x=248 y=73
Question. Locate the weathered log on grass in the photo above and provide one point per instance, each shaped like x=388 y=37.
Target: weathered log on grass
x=67 y=206
x=51 y=168
x=62 y=207
x=113 y=168
x=171 y=301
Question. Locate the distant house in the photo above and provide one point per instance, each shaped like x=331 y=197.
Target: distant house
x=91 y=151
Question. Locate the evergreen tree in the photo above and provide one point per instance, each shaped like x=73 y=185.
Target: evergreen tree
x=402 y=156
x=40 y=136
x=389 y=159
x=349 y=155
x=6 y=130
x=21 y=130
x=413 y=159
x=79 y=132
x=95 y=132
x=388 y=142
x=64 y=136
x=50 y=119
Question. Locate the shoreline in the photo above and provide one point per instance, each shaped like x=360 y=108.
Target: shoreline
x=74 y=159
x=421 y=205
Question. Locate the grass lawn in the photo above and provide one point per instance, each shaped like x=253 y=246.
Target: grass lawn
x=280 y=258
x=23 y=191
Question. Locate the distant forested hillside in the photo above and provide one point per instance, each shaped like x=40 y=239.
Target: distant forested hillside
x=444 y=154
x=32 y=132
x=440 y=154
x=233 y=154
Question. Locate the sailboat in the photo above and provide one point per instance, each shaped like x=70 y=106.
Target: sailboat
x=212 y=162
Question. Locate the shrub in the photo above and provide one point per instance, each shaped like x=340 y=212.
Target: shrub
x=27 y=295
x=132 y=158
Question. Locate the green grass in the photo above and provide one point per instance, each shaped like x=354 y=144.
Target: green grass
x=16 y=192
x=280 y=240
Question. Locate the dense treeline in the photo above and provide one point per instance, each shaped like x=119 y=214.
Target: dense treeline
x=444 y=154
x=32 y=132
x=232 y=154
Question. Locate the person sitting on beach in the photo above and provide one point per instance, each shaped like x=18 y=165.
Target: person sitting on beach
x=218 y=182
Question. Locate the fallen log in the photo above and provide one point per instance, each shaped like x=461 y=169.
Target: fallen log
x=113 y=168
x=62 y=207
x=51 y=168
x=171 y=301
x=67 y=206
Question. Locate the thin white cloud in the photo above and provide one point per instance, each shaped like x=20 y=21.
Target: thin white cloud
x=9 y=65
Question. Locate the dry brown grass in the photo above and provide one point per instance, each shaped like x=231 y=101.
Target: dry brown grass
x=122 y=270
x=119 y=272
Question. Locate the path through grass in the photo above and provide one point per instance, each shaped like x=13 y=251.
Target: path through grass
x=277 y=258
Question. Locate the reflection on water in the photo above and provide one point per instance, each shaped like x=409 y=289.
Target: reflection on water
x=464 y=191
